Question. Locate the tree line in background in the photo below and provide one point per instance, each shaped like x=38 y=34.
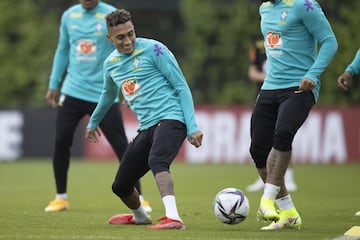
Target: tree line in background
x=211 y=40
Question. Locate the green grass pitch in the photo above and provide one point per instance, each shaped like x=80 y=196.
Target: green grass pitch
x=327 y=199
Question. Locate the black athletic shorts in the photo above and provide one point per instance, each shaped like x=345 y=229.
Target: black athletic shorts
x=152 y=149
x=276 y=117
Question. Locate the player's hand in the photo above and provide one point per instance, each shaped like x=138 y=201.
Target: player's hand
x=92 y=135
x=306 y=84
x=51 y=98
x=196 y=139
x=344 y=81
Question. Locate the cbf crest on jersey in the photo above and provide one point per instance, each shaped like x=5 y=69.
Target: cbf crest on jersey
x=136 y=63
x=99 y=29
x=283 y=16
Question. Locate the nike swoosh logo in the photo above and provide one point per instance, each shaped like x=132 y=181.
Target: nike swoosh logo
x=298 y=91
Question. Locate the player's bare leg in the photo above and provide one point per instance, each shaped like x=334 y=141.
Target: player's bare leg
x=277 y=164
x=262 y=173
x=275 y=197
x=139 y=215
x=164 y=183
x=171 y=220
x=132 y=201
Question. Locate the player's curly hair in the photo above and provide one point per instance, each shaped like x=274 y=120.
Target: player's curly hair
x=117 y=17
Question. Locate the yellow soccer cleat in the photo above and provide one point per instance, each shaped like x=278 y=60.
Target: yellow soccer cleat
x=288 y=219
x=57 y=205
x=267 y=210
x=146 y=206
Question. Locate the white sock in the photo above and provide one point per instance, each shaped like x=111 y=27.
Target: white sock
x=63 y=196
x=140 y=216
x=270 y=191
x=170 y=207
x=284 y=203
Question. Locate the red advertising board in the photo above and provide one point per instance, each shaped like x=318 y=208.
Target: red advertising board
x=329 y=135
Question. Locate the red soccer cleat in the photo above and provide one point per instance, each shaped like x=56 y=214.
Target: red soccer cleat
x=125 y=219
x=168 y=223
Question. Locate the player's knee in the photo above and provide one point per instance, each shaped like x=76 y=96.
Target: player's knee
x=259 y=156
x=283 y=139
x=158 y=166
x=62 y=141
x=121 y=190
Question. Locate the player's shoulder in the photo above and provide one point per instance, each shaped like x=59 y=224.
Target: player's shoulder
x=148 y=41
x=77 y=9
x=306 y=6
x=73 y=9
x=72 y=13
x=148 y=44
x=113 y=57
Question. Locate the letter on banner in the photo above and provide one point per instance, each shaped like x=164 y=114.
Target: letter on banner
x=11 y=138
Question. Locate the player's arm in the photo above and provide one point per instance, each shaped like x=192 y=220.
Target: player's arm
x=60 y=61
x=253 y=72
x=169 y=66
x=61 y=57
x=107 y=98
x=318 y=25
x=353 y=68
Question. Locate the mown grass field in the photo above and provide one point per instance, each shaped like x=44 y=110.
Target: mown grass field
x=327 y=199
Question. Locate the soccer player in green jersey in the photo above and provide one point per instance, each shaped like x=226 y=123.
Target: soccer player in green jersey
x=292 y=30
x=81 y=50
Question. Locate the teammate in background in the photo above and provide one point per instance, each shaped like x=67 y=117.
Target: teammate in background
x=154 y=86
x=257 y=65
x=292 y=30
x=257 y=73
x=81 y=51
x=344 y=80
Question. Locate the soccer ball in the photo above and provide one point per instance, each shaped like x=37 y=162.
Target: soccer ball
x=231 y=206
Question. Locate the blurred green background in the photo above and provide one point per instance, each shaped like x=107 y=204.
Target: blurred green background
x=211 y=39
